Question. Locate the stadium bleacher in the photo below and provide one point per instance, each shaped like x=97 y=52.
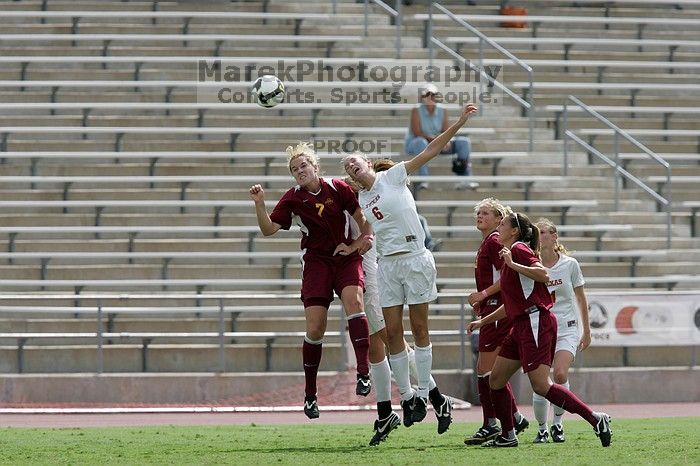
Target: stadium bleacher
x=119 y=182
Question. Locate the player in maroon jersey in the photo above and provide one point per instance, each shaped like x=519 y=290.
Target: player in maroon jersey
x=532 y=339
x=331 y=260
x=485 y=300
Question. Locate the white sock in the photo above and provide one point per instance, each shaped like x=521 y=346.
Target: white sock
x=424 y=363
x=540 y=405
x=381 y=379
x=399 y=366
x=414 y=370
x=559 y=412
x=518 y=416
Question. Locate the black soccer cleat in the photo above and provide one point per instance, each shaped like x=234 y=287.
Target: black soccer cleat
x=383 y=427
x=364 y=385
x=484 y=434
x=407 y=406
x=602 y=429
x=311 y=407
x=520 y=426
x=557 y=431
x=444 y=415
x=541 y=437
x=500 y=442
x=420 y=409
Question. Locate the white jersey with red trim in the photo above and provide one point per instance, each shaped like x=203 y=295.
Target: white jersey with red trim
x=391 y=210
x=564 y=276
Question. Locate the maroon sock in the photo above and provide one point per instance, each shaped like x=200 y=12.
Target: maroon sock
x=485 y=398
x=504 y=411
x=359 y=336
x=513 y=404
x=311 y=354
x=560 y=396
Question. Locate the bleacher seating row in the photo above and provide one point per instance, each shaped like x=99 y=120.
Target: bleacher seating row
x=74 y=121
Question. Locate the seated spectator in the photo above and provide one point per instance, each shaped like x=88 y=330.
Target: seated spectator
x=428 y=120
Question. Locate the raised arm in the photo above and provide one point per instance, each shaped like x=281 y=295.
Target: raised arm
x=498 y=314
x=536 y=271
x=585 y=322
x=364 y=241
x=439 y=142
x=267 y=226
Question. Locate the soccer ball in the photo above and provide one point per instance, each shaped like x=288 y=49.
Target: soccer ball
x=268 y=91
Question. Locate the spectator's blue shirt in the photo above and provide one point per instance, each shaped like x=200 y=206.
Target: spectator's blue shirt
x=429 y=123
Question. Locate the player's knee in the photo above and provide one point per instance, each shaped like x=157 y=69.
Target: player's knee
x=315 y=330
x=420 y=335
x=497 y=382
x=541 y=388
x=560 y=376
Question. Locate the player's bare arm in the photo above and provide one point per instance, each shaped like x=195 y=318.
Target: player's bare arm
x=439 y=142
x=498 y=314
x=363 y=243
x=478 y=296
x=536 y=272
x=267 y=226
x=585 y=323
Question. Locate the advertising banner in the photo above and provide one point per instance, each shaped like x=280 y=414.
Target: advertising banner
x=644 y=319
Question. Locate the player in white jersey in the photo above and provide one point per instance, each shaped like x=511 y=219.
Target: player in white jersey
x=380 y=370
x=566 y=287
x=406 y=273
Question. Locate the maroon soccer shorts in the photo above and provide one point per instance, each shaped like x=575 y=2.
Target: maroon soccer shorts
x=532 y=340
x=322 y=275
x=492 y=336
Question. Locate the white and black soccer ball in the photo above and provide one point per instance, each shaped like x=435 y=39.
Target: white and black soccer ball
x=268 y=91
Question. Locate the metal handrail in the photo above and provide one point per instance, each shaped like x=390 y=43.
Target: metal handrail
x=395 y=15
x=615 y=163
x=528 y=104
x=221 y=334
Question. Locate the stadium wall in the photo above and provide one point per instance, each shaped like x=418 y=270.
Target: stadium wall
x=596 y=385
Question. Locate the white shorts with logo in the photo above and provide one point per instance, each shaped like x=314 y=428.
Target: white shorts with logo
x=568 y=338
x=373 y=308
x=407 y=278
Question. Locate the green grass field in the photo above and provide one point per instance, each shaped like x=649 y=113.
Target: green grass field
x=638 y=441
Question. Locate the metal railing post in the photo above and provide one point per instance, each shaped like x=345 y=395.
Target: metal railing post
x=481 y=66
x=669 y=205
x=398 y=28
x=222 y=352
x=100 y=355
x=565 y=123
x=366 y=9
x=616 y=177
x=462 y=336
x=531 y=113
x=429 y=36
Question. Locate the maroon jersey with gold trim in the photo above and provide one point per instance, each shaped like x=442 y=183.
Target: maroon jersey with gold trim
x=322 y=217
x=488 y=269
x=518 y=291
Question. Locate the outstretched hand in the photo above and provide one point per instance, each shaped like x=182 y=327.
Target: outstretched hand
x=475 y=298
x=257 y=193
x=507 y=256
x=473 y=325
x=585 y=341
x=468 y=110
x=344 y=250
